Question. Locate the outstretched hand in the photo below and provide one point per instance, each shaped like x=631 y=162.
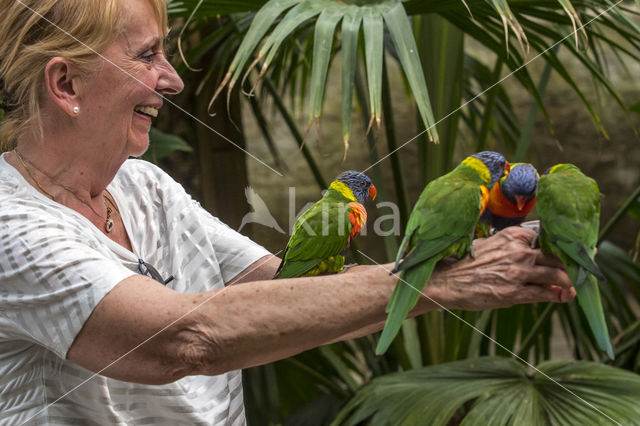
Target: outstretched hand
x=505 y=271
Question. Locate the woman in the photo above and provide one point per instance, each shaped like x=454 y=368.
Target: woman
x=82 y=225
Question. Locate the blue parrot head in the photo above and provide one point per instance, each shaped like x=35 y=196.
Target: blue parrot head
x=519 y=186
x=359 y=183
x=495 y=162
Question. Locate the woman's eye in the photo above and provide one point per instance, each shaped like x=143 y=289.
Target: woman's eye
x=148 y=57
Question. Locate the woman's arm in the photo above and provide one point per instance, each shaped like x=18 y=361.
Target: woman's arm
x=258 y=322
x=262 y=269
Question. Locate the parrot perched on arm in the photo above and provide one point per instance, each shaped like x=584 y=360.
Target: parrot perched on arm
x=512 y=198
x=441 y=224
x=326 y=229
x=568 y=203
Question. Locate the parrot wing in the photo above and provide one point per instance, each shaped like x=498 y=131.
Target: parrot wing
x=579 y=254
x=446 y=212
x=320 y=232
x=569 y=207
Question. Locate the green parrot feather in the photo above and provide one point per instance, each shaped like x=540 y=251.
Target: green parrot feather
x=568 y=203
x=441 y=224
x=326 y=229
x=315 y=237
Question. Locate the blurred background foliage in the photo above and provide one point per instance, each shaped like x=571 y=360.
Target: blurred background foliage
x=294 y=81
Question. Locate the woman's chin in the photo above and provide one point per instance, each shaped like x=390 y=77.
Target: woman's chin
x=139 y=148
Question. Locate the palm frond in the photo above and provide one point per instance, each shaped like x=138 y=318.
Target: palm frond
x=373 y=16
x=498 y=391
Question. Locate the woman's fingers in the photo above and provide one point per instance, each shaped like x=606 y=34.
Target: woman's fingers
x=548 y=260
x=547 y=275
x=534 y=293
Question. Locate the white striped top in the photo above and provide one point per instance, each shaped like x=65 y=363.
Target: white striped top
x=55 y=267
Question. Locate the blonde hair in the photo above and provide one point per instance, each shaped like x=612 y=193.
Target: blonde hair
x=35 y=31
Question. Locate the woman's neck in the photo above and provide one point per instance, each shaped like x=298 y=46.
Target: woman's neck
x=65 y=167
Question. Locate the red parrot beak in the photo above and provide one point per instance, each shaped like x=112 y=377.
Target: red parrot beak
x=520 y=202
x=373 y=192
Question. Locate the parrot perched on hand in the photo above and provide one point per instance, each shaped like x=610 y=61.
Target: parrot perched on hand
x=568 y=203
x=512 y=198
x=326 y=229
x=441 y=224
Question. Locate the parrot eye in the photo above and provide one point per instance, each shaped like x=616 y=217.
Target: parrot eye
x=363 y=183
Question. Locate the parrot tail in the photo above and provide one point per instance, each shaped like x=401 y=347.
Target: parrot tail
x=404 y=298
x=589 y=300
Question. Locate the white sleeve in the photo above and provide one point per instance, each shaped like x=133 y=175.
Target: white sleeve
x=50 y=281
x=233 y=251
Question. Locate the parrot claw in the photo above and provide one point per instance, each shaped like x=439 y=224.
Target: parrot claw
x=346 y=267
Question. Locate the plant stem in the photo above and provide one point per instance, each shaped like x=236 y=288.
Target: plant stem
x=524 y=142
x=533 y=332
x=390 y=129
x=487 y=117
x=390 y=243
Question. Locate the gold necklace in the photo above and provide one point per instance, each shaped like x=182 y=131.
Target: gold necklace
x=108 y=223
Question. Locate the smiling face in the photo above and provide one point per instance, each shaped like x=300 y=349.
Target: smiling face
x=118 y=100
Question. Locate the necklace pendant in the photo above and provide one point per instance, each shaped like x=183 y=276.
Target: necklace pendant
x=108 y=225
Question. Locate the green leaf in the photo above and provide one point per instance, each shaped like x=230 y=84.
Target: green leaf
x=294 y=17
x=399 y=28
x=372 y=25
x=261 y=23
x=350 y=29
x=509 y=21
x=323 y=40
x=634 y=209
x=501 y=391
x=162 y=144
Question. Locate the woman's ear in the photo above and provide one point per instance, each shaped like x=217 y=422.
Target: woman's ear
x=61 y=85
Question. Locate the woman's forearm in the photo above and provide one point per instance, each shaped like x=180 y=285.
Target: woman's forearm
x=260 y=322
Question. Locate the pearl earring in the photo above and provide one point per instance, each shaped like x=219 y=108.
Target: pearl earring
x=76 y=110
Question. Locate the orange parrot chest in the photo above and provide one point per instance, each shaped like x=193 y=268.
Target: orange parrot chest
x=358 y=219
x=499 y=204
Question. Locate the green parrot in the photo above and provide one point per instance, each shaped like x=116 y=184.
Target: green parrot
x=326 y=229
x=568 y=203
x=441 y=224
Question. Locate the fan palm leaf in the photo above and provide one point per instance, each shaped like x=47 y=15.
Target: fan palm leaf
x=371 y=16
x=498 y=391
x=489 y=22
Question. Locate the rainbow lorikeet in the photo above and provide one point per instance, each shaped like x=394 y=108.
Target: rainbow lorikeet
x=512 y=197
x=569 y=209
x=326 y=229
x=441 y=224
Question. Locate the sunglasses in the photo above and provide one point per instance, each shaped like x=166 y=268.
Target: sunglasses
x=148 y=270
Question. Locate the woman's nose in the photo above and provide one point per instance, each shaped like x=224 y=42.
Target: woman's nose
x=169 y=82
